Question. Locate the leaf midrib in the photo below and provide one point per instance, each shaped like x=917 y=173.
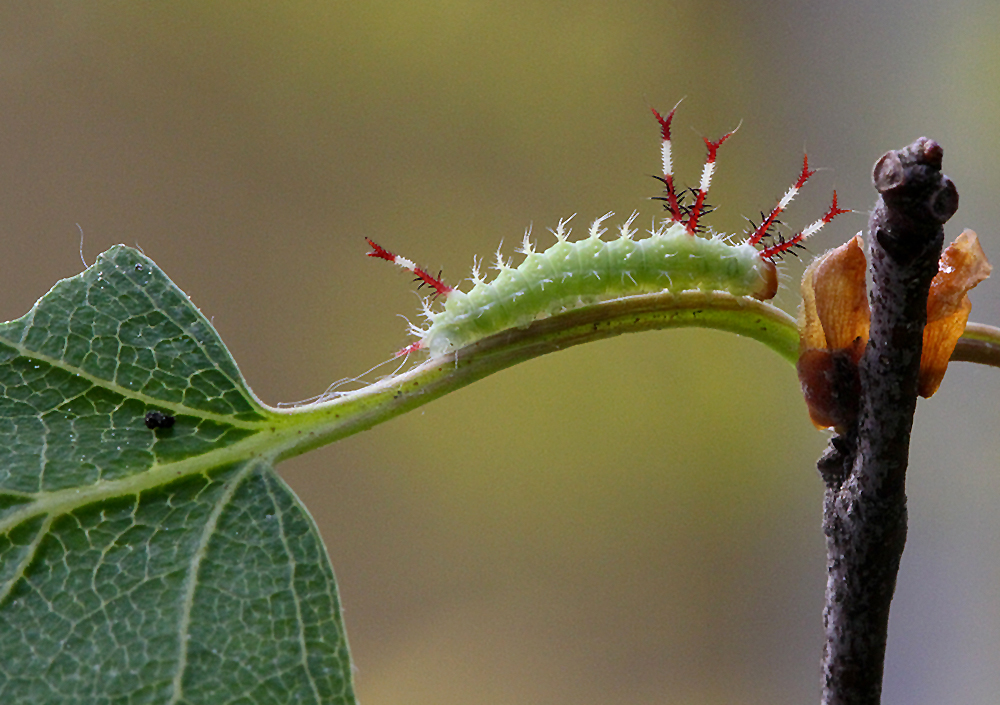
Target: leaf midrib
x=176 y=407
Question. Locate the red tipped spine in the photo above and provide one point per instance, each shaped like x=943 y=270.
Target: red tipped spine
x=706 y=181
x=412 y=347
x=785 y=246
x=440 y=288
x=765 y=226
x=668 y=166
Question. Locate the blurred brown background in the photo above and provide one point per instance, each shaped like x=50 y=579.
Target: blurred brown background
x=634 y=521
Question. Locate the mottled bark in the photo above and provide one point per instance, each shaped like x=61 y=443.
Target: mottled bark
x=865 y=466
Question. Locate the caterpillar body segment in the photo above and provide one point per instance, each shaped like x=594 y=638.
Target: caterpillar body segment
x=673 y=257
x=572 y=274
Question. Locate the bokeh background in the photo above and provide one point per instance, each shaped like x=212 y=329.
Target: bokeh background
x=633 y=521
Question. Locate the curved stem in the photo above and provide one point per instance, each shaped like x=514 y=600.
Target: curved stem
x=349 y=413
x=980 y=343
x=360 y=410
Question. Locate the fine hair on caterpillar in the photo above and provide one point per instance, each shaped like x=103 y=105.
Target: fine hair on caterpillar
x=677 y=255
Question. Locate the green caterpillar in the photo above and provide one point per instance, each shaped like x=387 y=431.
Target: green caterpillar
x=674 y=257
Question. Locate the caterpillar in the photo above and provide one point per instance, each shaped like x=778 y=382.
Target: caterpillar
x=678 y=255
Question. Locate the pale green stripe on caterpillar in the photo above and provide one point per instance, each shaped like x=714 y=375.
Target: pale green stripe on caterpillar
x=674 y=257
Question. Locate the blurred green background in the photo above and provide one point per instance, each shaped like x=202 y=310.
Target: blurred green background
x=634 y=521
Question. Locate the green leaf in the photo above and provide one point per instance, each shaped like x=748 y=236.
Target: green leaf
x=144 y=565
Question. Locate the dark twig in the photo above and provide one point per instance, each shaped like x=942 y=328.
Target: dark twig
x=865 y=467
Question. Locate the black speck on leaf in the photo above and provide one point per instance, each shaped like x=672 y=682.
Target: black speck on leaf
x=157 y=419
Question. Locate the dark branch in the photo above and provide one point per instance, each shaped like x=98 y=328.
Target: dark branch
x=865 y=468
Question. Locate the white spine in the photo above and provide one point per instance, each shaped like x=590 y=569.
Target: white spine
x=668 y=165
x=787 y=198
x=405 y=263
x=813 y=228
x=706 y=177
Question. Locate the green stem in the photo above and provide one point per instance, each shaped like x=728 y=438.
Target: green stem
x=328 y=421
x=980 y=343
x=358 y=411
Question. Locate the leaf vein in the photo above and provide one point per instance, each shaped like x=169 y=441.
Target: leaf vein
x=191 y=579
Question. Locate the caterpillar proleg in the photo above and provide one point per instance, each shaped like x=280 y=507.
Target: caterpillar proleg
x=675 y=256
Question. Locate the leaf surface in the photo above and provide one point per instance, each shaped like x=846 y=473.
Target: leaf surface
x=138 y=565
